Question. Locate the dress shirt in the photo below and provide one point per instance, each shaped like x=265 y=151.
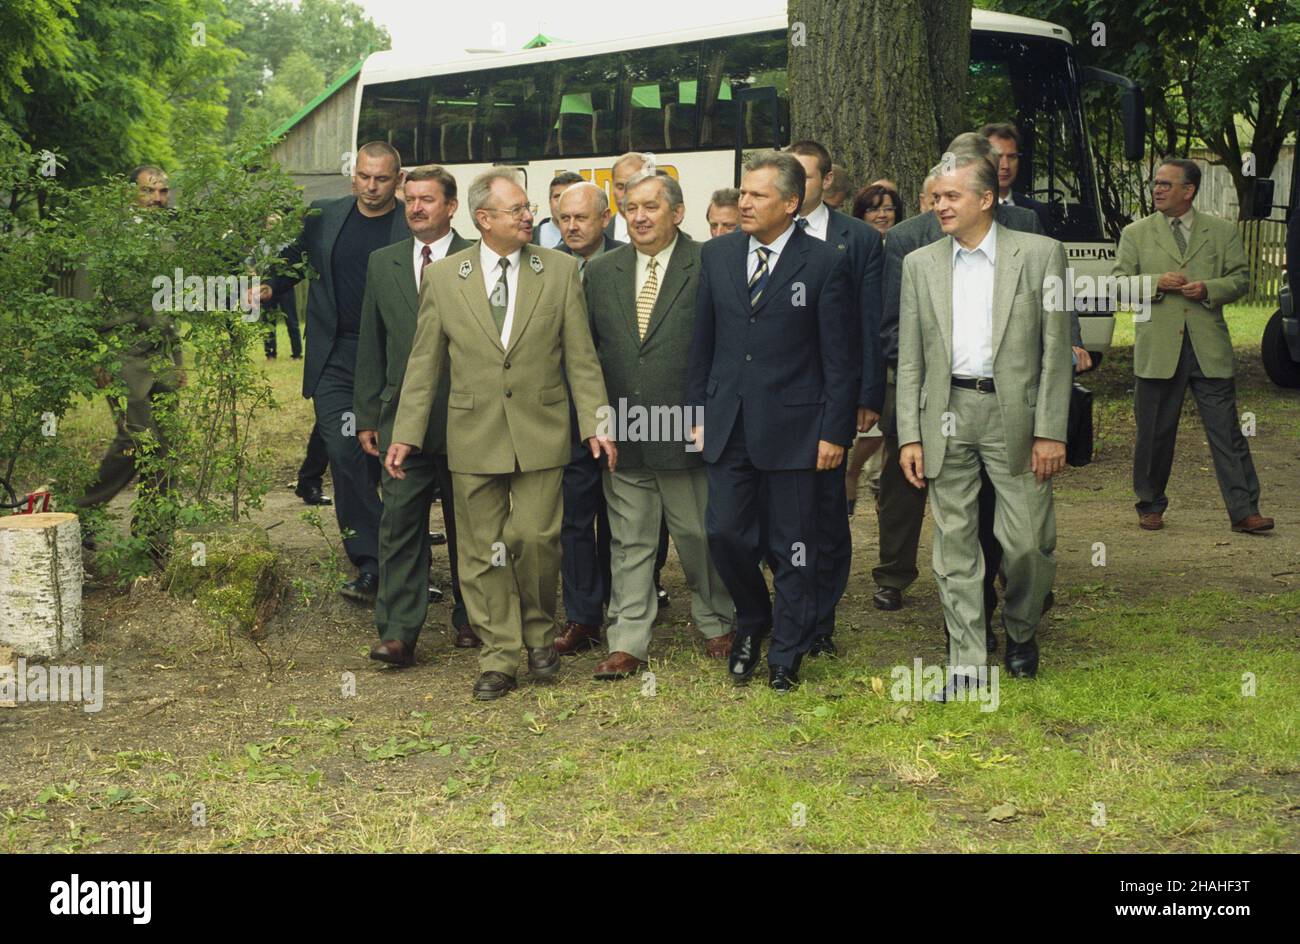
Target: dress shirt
x=490 y=263
x=661 y=266
x=620 y=227
x=818 y=221
x=972 y=306
x=1187 y=219
x=778 y=244
x=437 y=250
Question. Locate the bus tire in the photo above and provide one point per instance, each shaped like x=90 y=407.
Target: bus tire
x=1279 y=366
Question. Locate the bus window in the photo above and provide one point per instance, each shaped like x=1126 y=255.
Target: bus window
x=582 y=117
x=391 y=112
x=454 y=131
x=514 y=108
x=1031 y=82
x=661 y=99
x=751 y=61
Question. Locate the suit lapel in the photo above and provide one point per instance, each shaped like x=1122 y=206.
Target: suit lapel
x=404 y=272
x=1165 y=237
x=625 y=291
x=674 y=280
x=475 y=297
x=788 y=263
x=738 y=264
x=1200 y=236
x=331 y=225
x=1006 y=276
x=941 y=295
x=529 y=290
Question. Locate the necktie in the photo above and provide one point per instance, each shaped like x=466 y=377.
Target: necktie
x=426 y=256
x=758 y=281
x=802 y=223
x=1179 y=238
x=645 y=300
x=500 y=298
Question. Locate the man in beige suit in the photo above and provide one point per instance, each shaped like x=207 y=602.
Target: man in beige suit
x=1193 y=265
x=984 y=379
x=512 y=320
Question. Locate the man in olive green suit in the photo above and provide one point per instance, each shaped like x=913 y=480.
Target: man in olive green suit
x=512 y=320
x=1193 y=264
x=984 y=374
x=388 y=317
x=642 y=303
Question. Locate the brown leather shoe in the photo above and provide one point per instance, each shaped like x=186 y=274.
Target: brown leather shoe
x=1253 y=524
x=394 y=652
x=1151 y=521
x=543 y=662
x=719 y=647
x=493 y=685
x=465 y=637
x=618 y=665
x=576 y=637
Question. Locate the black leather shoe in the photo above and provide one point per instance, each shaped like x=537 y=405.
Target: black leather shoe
x=394 y=652
x=888 y=598
x=746 y=650
x=312 y=495
x=1022 y=658
x=363 y=589
x=780 y=679
x=823 y=645
x=437 y=537
x=493 y=685
x=990 y=637
x=435 y=595
x=955 y=689
x=543 y=663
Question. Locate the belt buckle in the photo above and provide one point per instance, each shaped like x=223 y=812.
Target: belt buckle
x=984 y=385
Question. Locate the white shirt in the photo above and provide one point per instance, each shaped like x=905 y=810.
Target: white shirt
x=778 y=244
x=972 y=306
x=437 y=250
x=549 y=235
x=620 y=228
x=1008 y=200
x=490 y=263
x=818 y=220
x=661 y=266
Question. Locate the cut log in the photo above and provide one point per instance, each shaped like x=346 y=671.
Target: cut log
x=40 y=583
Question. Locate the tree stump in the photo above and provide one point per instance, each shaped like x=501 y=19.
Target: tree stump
x=40 y=583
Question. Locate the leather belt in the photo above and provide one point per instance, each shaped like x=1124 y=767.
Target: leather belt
x=980 y=384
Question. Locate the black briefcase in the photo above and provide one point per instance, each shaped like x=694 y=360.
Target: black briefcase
x=1078 y=436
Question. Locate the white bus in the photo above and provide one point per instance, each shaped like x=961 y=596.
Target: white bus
x=698 y=98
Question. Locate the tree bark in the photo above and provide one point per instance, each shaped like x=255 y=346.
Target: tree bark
x=40 y=583
x=880 y=83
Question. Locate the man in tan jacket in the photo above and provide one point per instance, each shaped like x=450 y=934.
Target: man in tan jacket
x=512 y=320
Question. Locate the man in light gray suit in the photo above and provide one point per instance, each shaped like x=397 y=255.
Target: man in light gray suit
x=984 y=373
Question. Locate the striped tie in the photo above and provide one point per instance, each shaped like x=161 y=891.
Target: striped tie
x=1179 y=238
x=758 y=281
x=645 y=300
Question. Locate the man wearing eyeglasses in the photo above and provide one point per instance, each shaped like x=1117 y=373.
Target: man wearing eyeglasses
x=1197 y=264
x=511 y=319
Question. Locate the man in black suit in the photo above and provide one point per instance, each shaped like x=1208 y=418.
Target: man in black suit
x=1006 y=140
x=337 y=241
x=583 y=212
x=773 y=368
x=862 y=245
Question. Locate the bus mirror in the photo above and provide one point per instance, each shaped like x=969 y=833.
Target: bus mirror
x=1132 y=106
x=1261 y=199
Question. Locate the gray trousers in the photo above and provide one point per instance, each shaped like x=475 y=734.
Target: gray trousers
x=1024 y=523
x=1158 y=404
x=638 y=500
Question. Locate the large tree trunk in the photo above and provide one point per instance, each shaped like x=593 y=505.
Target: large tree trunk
x=881 y=83
x=40 y=583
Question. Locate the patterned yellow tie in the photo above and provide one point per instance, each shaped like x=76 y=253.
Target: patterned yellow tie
x=645 y=301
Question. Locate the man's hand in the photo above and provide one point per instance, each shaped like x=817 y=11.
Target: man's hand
x=912 y=458
x=1082 y=360
x=1196 y=291
x=1047 y=459
x=369 y=440
x=599 y=444
x=697 y=437
x=867 y=419
x=1171 y=281
x=829 y=455
x=397 y=453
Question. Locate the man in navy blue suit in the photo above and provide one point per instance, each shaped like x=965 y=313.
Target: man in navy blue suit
x=774 y=374
x=863 y=247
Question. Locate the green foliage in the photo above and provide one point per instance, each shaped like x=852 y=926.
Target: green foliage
x=233 y=575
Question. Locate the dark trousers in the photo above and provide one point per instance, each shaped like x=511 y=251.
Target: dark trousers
x=356 y=475
x=316 y=462
x=988 y=500
x=900 y=509
x=835 y=546
x=271 y=315
x=584 y=540
x=404 y=549
x=1158 y=404
x=740 y=497
x=661 y=554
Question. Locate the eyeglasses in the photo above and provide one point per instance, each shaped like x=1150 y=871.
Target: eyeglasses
x=1165 y=185
x=516 y=212
x=883 y=208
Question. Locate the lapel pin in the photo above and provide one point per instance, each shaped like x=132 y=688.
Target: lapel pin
x=465 y=269
x=535 y=263
x=841 y=246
